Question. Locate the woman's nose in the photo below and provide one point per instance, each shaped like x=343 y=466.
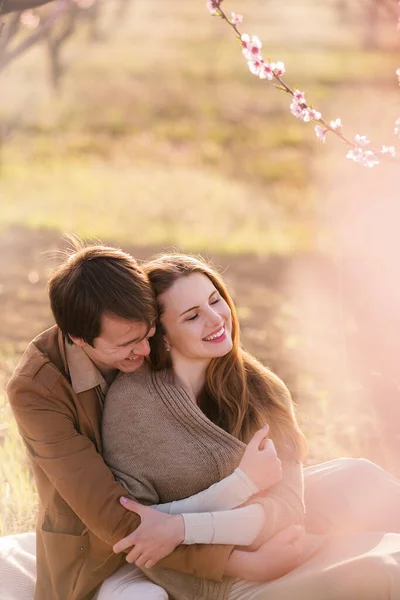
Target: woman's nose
x=215 y=318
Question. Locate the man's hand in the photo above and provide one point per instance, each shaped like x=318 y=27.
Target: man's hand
x=157 y=535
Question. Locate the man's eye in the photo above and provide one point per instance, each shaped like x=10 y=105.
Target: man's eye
x=193 y=318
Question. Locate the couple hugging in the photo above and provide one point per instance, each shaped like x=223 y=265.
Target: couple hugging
x=167 y=459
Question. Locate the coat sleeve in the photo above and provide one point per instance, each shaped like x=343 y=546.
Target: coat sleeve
x=78 y=473
x=283 y=503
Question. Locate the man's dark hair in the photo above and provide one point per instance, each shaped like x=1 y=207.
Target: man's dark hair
x=95 y=281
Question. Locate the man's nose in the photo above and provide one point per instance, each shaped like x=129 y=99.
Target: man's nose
x=142 y=348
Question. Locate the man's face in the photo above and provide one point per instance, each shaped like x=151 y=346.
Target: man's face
x=121 y=345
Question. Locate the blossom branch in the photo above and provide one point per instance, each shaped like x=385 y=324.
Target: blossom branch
x=359 y=150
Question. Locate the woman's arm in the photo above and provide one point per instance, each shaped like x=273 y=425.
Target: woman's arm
x=223 y=495
x=265 y=514
x=258 y=470
x=240 y=526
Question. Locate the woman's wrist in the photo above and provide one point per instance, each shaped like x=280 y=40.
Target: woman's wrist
x=179 y=529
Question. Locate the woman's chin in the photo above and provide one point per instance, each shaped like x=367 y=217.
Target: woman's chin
x=222 y=349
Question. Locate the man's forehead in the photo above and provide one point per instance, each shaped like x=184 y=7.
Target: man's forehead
x=115 y=330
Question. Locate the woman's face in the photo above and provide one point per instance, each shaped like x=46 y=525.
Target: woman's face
x=197 y=320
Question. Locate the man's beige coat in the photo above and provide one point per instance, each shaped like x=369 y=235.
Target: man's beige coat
x=80 y=516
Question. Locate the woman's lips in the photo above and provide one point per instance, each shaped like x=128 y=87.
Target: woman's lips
x=220 y=336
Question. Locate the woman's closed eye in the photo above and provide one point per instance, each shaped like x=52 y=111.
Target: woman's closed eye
x=193 y=318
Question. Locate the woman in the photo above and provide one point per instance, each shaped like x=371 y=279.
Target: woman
x=195 y=411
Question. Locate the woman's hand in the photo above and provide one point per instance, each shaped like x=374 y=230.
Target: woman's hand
x=260 y=461
x=157 y=535
x=281 y=554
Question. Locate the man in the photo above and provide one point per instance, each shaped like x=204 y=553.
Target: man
x=104 y=309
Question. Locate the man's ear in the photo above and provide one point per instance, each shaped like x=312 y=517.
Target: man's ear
x=77 y=341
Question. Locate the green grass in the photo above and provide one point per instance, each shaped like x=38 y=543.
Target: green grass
x=18 y=498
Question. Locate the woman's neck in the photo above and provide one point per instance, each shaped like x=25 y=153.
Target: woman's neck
x=191 y=374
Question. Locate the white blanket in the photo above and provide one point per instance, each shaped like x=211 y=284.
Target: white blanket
x=17 y=566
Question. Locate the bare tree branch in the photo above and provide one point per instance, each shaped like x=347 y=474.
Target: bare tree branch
x=7 y=6
x=38 y=34
x=8 y=31
x=55 y=41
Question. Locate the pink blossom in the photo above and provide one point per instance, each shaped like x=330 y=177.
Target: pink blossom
x=355 y=154
x=296 y=110
x=29 y=19
x=309 y=114
x=255 y=66
x=370 y=159
x=361 y=140
x=251 y=46
x=366 y=158
x=236 y=19
x=279 y=68
x=314 y=114
x=299 y=96
x=391 y=150
x=267 y=71
x=306 y=116
x=398 y=75
x=212 y=6
x=336 y=124
x=397 y=128
x=320 y=132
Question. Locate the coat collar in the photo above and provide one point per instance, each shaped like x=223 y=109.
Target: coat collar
x=82 y=371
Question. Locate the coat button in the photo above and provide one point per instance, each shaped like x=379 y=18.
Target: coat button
x=81 y=548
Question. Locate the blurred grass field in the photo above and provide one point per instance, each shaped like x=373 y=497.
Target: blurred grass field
x=160 y=137
x=166 y=105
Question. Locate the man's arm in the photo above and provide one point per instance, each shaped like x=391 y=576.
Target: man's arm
x=283 y=503
x=81 y=477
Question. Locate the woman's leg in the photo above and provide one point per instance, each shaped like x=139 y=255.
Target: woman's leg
x=354 y=566
x=129 y=583
x=351 y=494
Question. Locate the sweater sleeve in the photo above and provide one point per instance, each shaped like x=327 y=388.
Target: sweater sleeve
x=228 y=493
x=240 y=526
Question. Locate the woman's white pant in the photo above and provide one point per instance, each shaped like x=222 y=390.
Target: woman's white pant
x=129 y=583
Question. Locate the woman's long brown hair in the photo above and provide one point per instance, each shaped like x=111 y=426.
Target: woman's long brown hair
x=240 y=394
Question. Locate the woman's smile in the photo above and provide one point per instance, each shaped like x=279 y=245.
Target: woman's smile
x=216 y=337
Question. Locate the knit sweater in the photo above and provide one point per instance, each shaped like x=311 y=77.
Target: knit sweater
x=162 y=447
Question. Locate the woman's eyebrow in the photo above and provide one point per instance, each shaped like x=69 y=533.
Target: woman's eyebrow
x=197 y=307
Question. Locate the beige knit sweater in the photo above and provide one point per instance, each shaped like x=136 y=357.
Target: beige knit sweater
x=162 y=448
